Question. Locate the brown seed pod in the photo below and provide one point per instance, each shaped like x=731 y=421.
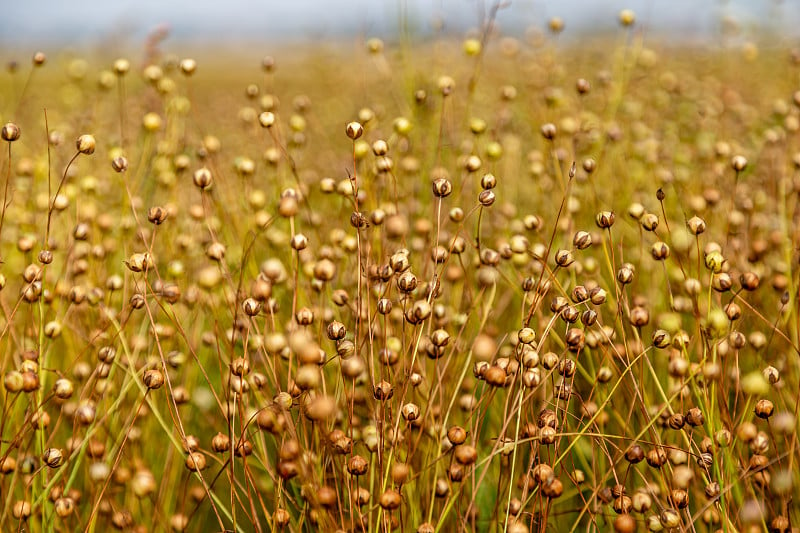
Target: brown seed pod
x=195 y=461
x=383 y=391
x=656 y=457
x=764 y=409
x=624 y=523
x=86 y=144
x=456 y=435
x=495 y=376
x=327 y=496
x=694 y=417
x=354 y=130
x=357 y=465
x=466 y=454
x=390 y=500
x=10 y=132
x=605 y=219
x=552 y=488
x=400 y=473
x=153 y=379
x=221 y=443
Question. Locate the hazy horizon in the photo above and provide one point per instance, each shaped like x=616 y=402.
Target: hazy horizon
x=91 y=22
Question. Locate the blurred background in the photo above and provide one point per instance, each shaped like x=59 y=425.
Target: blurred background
x=119 y=23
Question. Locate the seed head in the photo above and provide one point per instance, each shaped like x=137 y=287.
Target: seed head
x=188 y=66
x=10 y=132
x=549 y=131
x=738 y=163
x=354 y=130
x=153 y=379
x=202 y=178
x=472 y=47
x=604 y=219
x=556 y=24
x=86 y=144
x=122 y=66
x=446 y=85
x=627 y=17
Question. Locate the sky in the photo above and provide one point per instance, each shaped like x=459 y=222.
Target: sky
x=86 y=22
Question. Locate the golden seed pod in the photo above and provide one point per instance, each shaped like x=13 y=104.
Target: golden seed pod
x=86 y=144
x=220 y=443
x=446 y=85
x=53 y=457
x=738 y=163
x=202 y=178
x=354 y=130
x=63 y=388
x=466 y=454
x=472 y=47
x=152 y=122
x=195 y=461
x=64 y=506
x=410 y=412
x=10 y=132
x=380 y=148
x=21 y=510
x=390 y=500
x=456 y=435
x=299 y=242
x=696 y=225
x=624 y=523
x=119 y=164
x=251 y=306
x=121 y=66
x=266 y=119
x=764 y=409
x=660 y=250
x=549 y=131
x=605 y=219
x=627 y=17
x=153 y=379
x=188 y=66
x=357 y=466
x=442 y=187
x=555 y=25
x=374 y=45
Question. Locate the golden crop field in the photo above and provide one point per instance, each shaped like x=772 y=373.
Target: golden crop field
x=487 y=283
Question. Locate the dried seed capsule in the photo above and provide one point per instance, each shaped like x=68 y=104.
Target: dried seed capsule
x=442 y=187
x=605 y=219
x=390 y=500
x=626 y=18
x=354 y=130
x=10 y=132
x=738 y=163
x=53 y=457
x=195 y=461
x=153 y=379
x=634 y=454
x=582 y=240
x=86 y=144
x=357 y=465
x=696 y=225
x=202 y=178
x=157 y=215
x=659 y=251
x=221 y=443
x=382 y=391
x=764 y=409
